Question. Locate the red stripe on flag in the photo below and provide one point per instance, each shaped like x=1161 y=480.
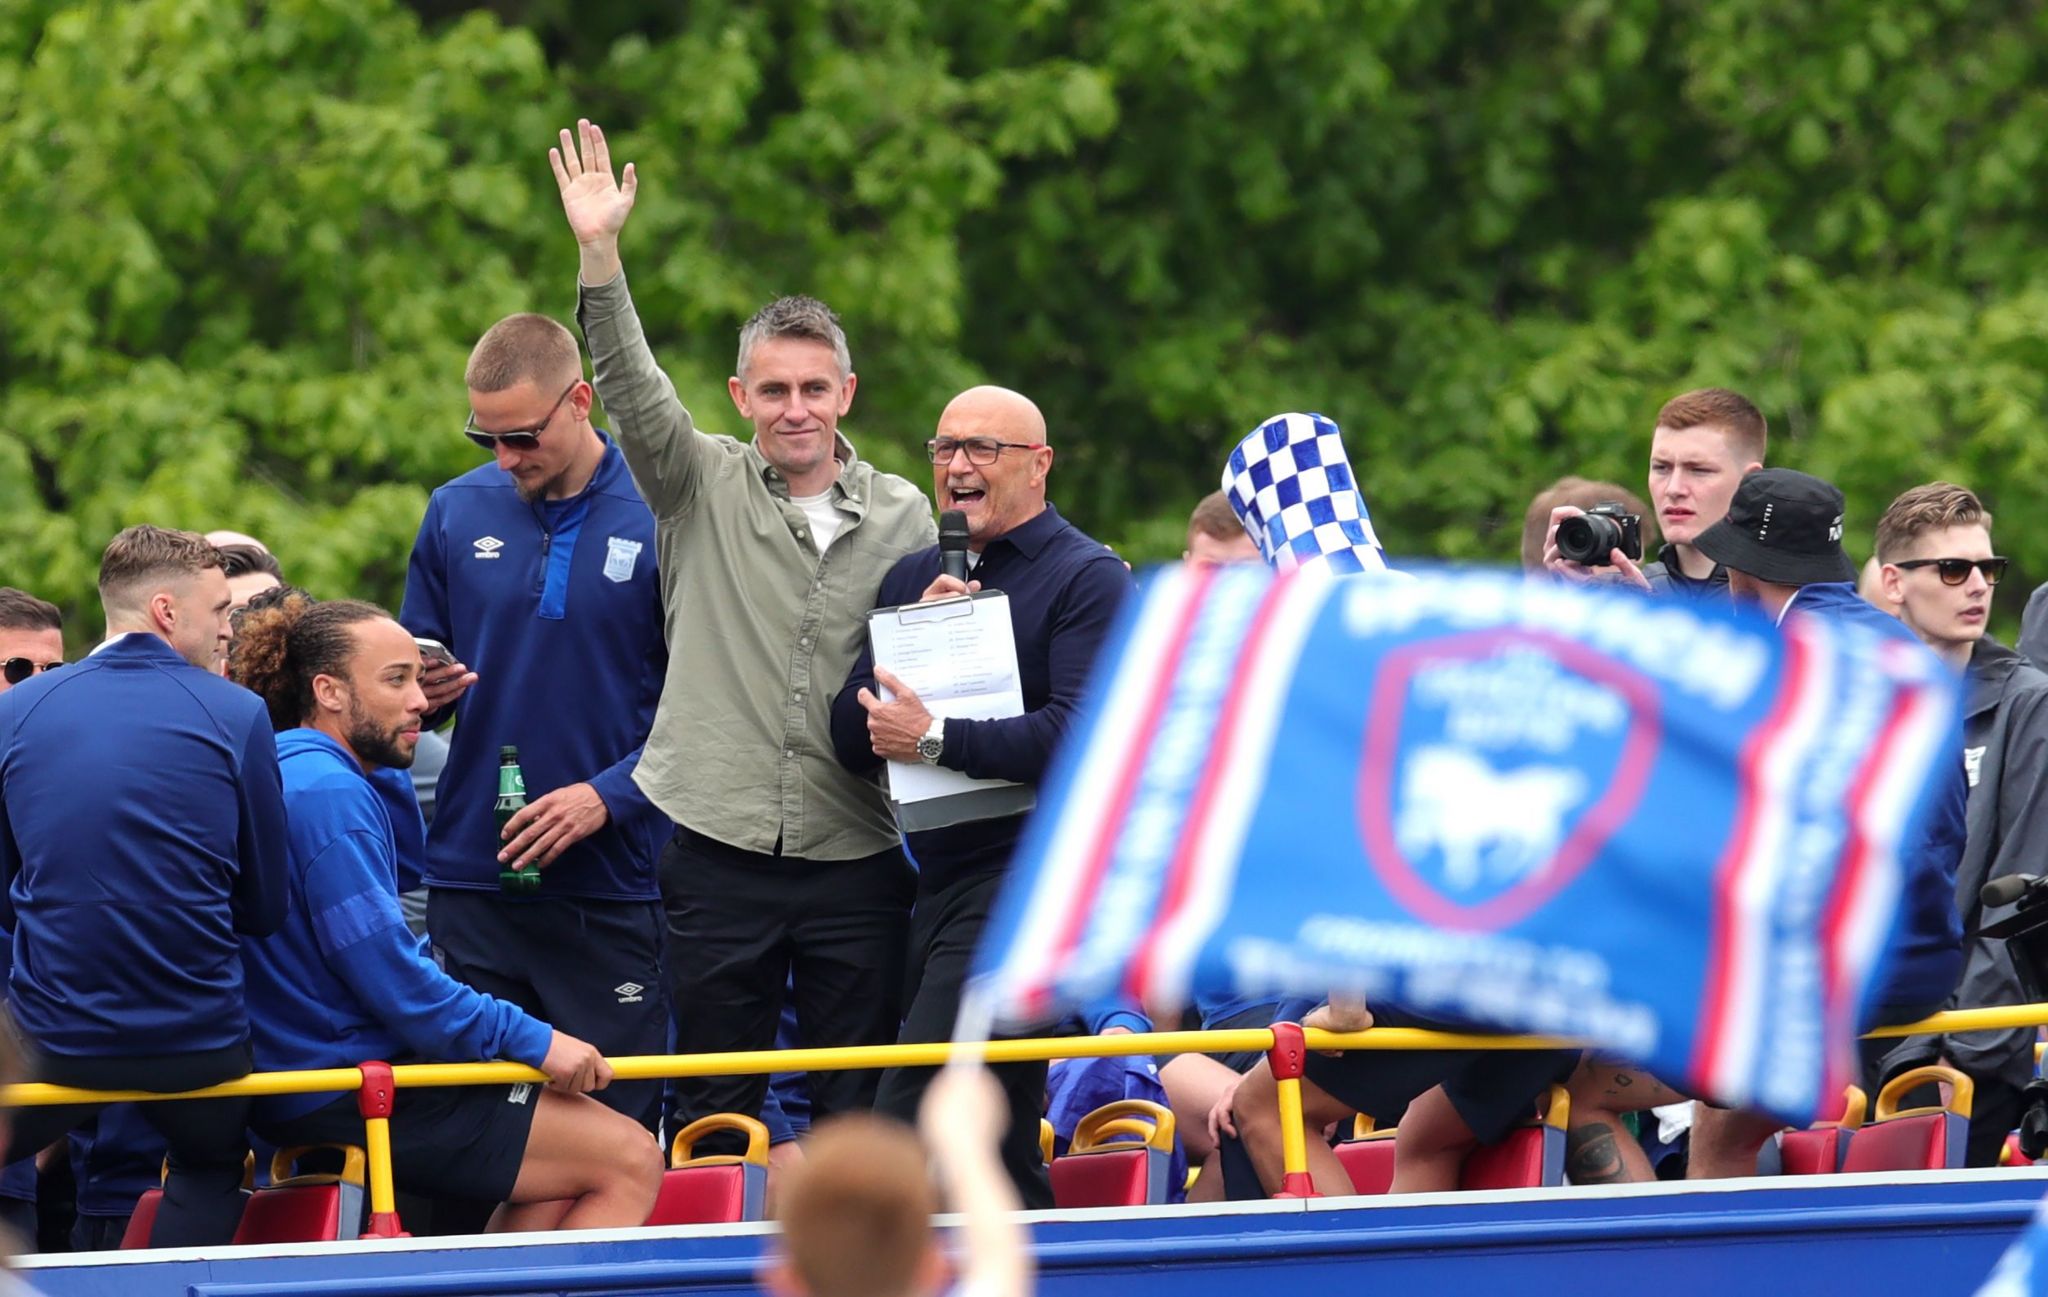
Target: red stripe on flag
x=1117 y=805
x=1195 y=826
x=1738 y=861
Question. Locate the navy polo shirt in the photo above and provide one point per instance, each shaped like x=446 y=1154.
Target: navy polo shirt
x=1065 y=588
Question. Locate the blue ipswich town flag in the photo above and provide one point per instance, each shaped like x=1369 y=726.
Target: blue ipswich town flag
x=1665 y=829
x=2023 y=1270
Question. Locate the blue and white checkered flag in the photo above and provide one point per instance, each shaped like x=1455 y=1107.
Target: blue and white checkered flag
x=1291 y=486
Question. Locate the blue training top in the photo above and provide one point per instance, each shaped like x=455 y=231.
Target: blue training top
x=556 y=605
x=344 y=980
x=141 y=830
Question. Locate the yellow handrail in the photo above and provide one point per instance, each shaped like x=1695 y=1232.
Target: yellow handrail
x=853 y=1057
x=337 y=1080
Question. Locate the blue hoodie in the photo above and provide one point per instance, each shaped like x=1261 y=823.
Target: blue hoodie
x=1925 y=957
x=556 y=605
x=141 y=830
x=343 y=980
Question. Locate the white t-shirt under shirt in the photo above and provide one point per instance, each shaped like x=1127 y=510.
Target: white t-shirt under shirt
x=825 y=519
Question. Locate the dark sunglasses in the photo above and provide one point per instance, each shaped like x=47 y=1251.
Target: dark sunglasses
x=17 y=670
x=1955 y=571
x=517 y=438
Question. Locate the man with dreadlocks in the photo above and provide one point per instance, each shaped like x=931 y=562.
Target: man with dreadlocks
x=343 y=980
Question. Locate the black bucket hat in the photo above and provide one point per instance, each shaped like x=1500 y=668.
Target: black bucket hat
x=1783 y=527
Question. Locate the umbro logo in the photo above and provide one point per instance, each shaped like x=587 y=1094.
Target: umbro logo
x=629 y=992
x=488 y=547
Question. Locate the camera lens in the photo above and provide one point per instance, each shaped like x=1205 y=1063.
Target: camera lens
x=1588 y=538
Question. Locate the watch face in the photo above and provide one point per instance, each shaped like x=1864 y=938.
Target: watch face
x=928 y=748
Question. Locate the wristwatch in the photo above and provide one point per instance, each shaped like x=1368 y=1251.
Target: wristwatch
x=933 y=742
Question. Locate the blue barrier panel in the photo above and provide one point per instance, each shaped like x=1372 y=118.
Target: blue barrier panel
x=1927 y=1235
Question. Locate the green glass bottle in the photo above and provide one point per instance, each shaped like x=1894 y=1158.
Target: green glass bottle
x=511 y=798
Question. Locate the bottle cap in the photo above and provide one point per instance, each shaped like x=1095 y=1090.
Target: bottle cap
x=508 y=753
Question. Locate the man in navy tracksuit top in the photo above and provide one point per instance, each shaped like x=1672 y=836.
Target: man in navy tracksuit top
x=990 y=461
x=142 y=832
x=344 y=979
x=539 y=571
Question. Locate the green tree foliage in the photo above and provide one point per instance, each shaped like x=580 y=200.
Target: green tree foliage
x=247 y=245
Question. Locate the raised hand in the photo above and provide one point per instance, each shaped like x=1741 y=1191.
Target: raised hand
x=595 y=203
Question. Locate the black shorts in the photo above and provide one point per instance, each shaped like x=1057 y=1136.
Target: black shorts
x=588 y=968
x=1494 y=1090
x=1242 y=1060
x=462 y=1141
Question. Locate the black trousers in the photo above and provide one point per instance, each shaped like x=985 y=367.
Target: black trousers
x=591 y=969
x=208 y=1138
x=742 y=926
x=944 y=932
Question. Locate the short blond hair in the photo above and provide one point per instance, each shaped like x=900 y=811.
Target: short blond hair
x=857 y=1211
x=143 y=555
x=523 y=348
x=1936 y=506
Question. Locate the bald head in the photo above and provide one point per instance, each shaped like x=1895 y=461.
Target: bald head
x=1006 y=429
x=1015 y=414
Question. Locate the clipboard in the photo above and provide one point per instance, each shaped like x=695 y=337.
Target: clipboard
x=959 y=656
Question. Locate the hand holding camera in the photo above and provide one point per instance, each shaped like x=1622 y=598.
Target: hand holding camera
x=1604 y=543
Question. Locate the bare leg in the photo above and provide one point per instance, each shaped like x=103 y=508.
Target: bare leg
x=1725 y=1142
x=1430 y=1145
x=1257 y=1108
x=1599 y=1149
x=603 y=1165
x=1194 y=1082
x=1208 y=1186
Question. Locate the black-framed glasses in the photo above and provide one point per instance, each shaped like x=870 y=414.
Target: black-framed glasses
x=516 y=438
x=980 y=450
x=1955 y=571
x=16 y=670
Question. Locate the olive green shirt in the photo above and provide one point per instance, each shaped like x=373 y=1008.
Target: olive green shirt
x=762 y=630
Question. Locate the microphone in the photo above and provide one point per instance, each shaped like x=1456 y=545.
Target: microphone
x=953 y=544
x=2004 y=891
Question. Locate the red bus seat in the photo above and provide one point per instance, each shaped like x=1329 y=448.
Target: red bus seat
x=307 y=1208
x=2011 y=1154
x=143 y=1221
x=1531 y=1157
x=1916 y=1139
x=717 y=1190
x=1121 y=1156
x=1819 y=1148
x=1368 y=1157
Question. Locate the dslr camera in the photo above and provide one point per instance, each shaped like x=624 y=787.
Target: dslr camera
x=1591 y=537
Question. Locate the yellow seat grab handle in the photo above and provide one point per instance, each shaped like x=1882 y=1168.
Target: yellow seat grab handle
x=688 y=1136
x=1141 y=1117
x=1896 y=1088
x=284 y=1163
x=1855 y=1108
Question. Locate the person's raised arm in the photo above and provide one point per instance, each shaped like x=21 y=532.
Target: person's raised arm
x=963 y=1119
x=660 y=442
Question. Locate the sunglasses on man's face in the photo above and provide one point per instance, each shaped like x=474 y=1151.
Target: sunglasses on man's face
x=17 y=670
x=1955 y=571
x=520 y=439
